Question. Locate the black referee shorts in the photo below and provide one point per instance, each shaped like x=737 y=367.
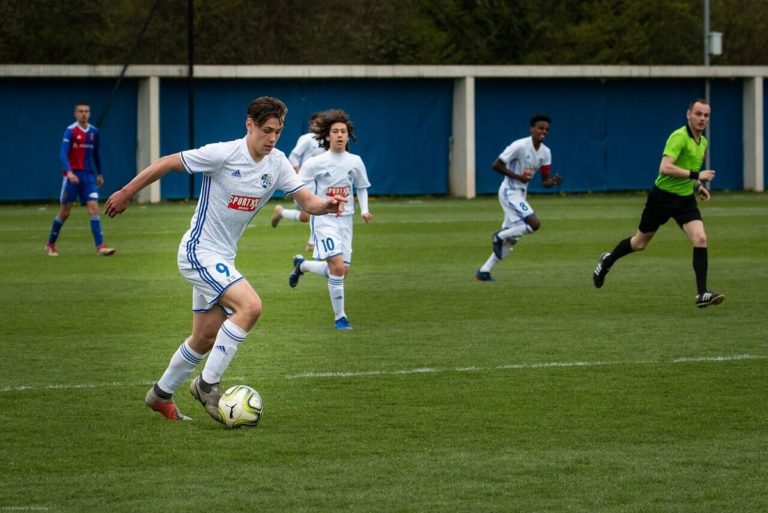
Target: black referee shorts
x=663 y=205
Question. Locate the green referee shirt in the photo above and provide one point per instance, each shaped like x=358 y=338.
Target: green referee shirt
x=687 y=154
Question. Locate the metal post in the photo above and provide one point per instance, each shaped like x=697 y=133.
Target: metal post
x=190 y=85
x=706 y=33
x=706 y=80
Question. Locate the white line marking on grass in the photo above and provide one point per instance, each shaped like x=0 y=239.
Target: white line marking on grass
x=718 y=358
x=75 y=386
x=521 y=366
x=417 y=370
x=79 y=386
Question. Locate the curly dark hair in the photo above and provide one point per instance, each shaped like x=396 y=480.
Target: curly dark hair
x=540 y=117
x=327 y=120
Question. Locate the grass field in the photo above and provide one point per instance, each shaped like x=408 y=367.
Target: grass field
x=533 y=393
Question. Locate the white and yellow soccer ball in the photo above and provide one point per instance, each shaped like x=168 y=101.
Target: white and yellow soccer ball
x=240 y=406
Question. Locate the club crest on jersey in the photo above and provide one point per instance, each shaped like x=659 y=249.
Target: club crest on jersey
x=341 y=191
x=266 y=180
x=243 y=203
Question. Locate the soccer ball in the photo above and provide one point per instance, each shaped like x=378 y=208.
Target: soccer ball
x=240 y=406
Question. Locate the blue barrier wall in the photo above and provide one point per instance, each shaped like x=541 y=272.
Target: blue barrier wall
x=37 y=112
x=605 y=134
x=403 y=127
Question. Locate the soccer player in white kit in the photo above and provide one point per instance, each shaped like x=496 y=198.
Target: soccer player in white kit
x=306 y=146
x=239 y=178
x=335 y=173
x=519 y=162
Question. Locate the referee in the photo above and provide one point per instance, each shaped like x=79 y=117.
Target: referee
x=674 y=196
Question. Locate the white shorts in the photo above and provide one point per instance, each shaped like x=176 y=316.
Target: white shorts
x=332 y=236
x=515 y=206
x=210 y=276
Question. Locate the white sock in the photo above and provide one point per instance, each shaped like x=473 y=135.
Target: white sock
x=517 y=230
x=336 y=291
x=506 y=248
x=489 y=264
x=315 y=267
x=183 y=362
x=227 y=341
x=291 y=213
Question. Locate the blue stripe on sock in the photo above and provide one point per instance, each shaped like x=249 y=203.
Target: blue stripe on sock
x=188 y=356
x=232 y=335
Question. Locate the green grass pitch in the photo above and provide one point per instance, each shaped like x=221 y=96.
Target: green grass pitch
x=535 y=393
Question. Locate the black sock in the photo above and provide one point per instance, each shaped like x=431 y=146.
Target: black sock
x=623 y=248
x=205 y=386
x=162 y=394
x=700 y=261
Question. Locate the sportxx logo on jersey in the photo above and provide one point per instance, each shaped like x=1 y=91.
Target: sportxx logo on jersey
x=244 y=203
x=342 y=191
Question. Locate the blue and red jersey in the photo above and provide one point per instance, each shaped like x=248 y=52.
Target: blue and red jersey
x=80 y=149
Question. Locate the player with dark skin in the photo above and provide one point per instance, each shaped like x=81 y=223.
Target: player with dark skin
x=539 y=132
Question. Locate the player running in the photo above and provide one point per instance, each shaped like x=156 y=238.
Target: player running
x=239 y=178
x=307 y=146
x=519 y=163
x=335 y=173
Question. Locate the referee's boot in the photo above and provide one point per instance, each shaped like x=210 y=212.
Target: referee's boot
x=598 y=275
x=709 y=297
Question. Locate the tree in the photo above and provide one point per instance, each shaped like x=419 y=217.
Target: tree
x=659 y=32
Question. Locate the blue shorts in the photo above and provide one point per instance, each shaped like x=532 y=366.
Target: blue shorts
x=86 y=190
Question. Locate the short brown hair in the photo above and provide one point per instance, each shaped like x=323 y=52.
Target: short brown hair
x=697 y=100
x=264 y=108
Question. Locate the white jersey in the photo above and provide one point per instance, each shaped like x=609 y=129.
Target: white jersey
x=336 y=173
x=234 y=189
x=306 y=146
x=521 y=154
